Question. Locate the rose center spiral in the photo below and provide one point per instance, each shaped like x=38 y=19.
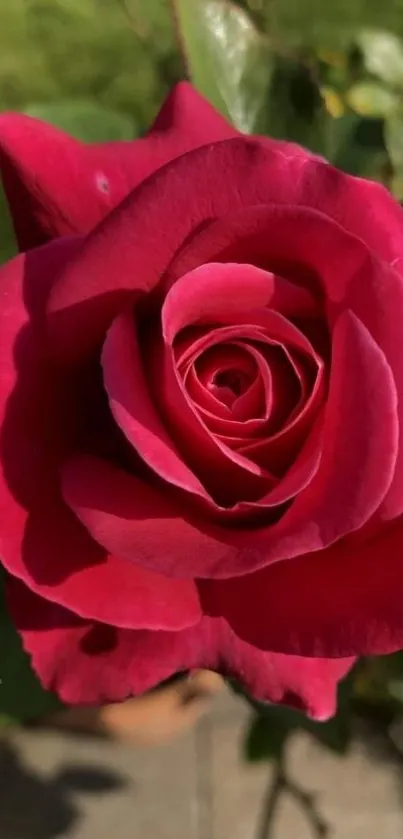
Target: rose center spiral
x=228 y=385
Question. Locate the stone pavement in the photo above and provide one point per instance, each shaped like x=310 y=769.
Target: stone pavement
x=53 y=785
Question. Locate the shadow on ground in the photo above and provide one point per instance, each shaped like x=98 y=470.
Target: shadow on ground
x=37 y=807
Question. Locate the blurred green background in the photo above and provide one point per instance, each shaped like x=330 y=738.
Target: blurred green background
x=325 y=73
x=106 y=51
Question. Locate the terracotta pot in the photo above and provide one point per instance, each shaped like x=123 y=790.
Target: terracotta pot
x=146 y=720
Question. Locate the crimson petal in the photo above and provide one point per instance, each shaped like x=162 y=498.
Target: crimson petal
x=354 y=474
x=345 y=600
x=218 y=178
x=41 y=541
x=87 y=663
x=57 y=186
x=362 y=207
x=133 y=409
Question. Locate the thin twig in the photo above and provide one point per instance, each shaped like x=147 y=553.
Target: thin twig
x=307 y=803
x=271 y=801
x=180 y=41
x=280 y=784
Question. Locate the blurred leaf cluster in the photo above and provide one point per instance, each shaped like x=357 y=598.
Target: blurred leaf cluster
x=329 y=76
x=373 y=691
x=370 y=709
x=105 y=51
x=21 y=696
x=340 y=95
x=326 y=75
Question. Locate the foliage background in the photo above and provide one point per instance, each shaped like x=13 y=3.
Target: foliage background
x=325 y=74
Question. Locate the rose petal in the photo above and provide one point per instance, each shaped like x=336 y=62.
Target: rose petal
x=227 y=475
x=225 y=348
x=56 y=185
x=372 y=289
x=279 y=449
x=350 y=432
x=255 y=401
x=345 y=600
x=198 y=297
x=241 y=237
x=135 y=414
x=355 y=472
x=298 y=476
x=219 y=293
x=54 y=555
x=362 y=207
x=40 y=540
x=218 y=179
x=92 y=663
x=51 y=181
x=271 y=401
x=250 y=410
x=227 y=370
x=133 y=409
x=380 y=309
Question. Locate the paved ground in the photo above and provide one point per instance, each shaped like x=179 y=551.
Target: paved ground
x=195 y=788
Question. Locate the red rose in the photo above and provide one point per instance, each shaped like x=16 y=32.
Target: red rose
x=201 y=399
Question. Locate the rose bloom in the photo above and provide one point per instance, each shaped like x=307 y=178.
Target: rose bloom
x=201 y=384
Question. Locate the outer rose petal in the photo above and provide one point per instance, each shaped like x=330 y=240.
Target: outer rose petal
x=342 y=601
x=56 y=185
x=126 y=255
x=40 y=541
x=181 y=199
x=94 y=663
x=38 y=193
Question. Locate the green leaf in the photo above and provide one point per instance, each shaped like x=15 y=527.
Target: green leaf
x=372 y=99
x=227 y=59
x=334 y=735
x=85 y=120
x=296 y=109
x=357 y=145
x=380 y=679
x=8 y=242
x=382 y=53
x=271 y=725
x=394 y=145
x=266 y=736
x=21 y=696
x=330 y=24
x=394 y=140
